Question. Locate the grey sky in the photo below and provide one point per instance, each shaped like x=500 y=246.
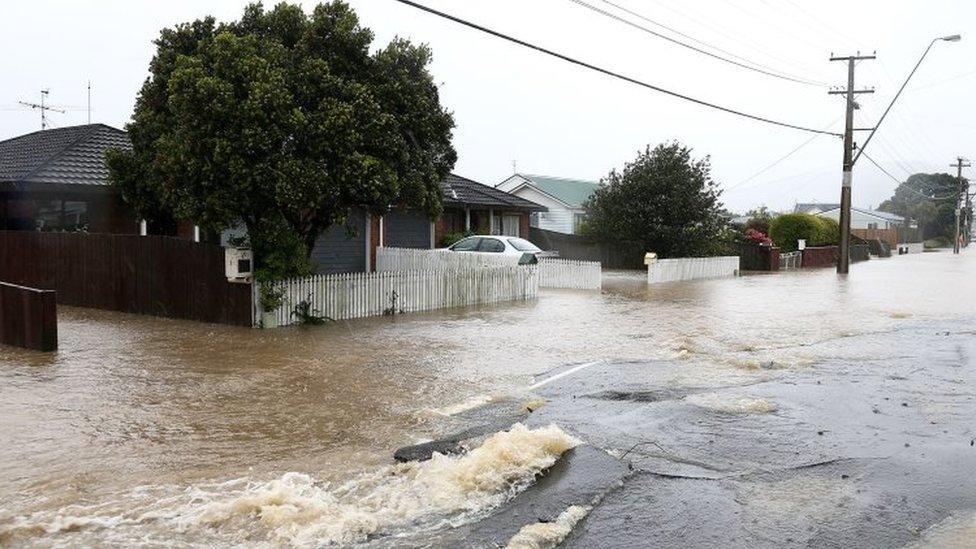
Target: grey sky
x=557 y=119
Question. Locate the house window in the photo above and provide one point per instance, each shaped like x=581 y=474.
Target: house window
x=534 y=219
x=507 y=225
x=872 y=225
x=578 y=219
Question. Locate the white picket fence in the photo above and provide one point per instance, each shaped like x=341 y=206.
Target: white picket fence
x=569 y=273
x=553 y=273
x=359 y=295
x=410 y=259
x=790 y=260
x=691 y=268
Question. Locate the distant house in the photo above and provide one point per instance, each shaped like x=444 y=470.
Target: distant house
x=56 y=180
x=564 y=199
x=861 y=218
x=468 y=206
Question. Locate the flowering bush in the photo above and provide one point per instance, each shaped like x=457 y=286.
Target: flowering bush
x=755 y=237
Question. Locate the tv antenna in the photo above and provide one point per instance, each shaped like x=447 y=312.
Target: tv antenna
x=43 y=107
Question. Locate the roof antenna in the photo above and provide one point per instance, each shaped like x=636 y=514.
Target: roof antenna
x=514 y=166
x=43 y=107
x=89 y=101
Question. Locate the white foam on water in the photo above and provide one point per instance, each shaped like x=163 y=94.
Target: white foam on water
x=957 y=531
x=546 y=535
x=470 y=404
x=731 y=404
x=299 y=510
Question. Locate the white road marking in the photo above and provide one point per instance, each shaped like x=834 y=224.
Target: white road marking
x=564 y=374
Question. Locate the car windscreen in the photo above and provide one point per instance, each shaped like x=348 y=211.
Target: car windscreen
x=469 y=244
x=523 y=245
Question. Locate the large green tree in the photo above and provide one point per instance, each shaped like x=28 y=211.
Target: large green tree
x=283 y=121
x=665 y=199
x=929 y=199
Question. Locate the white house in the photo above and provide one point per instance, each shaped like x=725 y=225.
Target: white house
x=564 y=199
x=861 y=218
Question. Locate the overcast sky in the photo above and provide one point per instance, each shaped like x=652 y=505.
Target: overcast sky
x=512 y=104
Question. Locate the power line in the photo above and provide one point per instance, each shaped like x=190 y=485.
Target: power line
x=756 y=67
x=608 y=72
x=704 y=21
x=900 y=183
x=777 y=161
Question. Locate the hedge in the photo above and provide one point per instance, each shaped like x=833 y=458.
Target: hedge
x=785 y=230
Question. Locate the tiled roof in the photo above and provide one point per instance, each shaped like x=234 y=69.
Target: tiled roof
x=460 y=191
x=74 y=155
x=573 y=192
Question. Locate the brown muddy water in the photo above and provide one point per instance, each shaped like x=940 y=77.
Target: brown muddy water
x=146 y=431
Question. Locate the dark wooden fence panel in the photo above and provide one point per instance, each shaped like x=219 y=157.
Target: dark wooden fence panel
x=28 y=317
x=152 y=275
x=621 y=255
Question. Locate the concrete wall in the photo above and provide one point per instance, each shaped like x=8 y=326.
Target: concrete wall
x=691 y=268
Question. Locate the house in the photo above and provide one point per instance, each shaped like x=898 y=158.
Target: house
x=564 y=199
x=861 y=218
x=469 y=206
x=56 y=180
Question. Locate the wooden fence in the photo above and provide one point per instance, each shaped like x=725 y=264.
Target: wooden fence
x=568 y=273
x=153 y=275
x=691 y=268
x=28 y=317
x=358 y=295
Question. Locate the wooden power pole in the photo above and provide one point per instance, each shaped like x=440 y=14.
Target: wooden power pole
x=843 y=261
x=959 y=165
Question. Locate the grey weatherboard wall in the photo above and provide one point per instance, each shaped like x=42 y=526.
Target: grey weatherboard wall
x=406 y=229
x=342 y=248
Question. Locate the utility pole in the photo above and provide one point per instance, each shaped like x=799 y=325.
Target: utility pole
x=959 y=165
x=843 y=262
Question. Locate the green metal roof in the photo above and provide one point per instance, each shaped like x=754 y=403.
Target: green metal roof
x=571 y=191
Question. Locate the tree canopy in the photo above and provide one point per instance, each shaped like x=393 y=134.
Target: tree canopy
x=665 y=199
x=283 y=121
x=930 y=199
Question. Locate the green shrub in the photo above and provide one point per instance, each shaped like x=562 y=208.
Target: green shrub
x=829 y=233
x=785 y=230
x=451 y=238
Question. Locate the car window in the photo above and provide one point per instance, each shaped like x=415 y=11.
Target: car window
x=523 y=245
x=469 y=244
x=491 y=245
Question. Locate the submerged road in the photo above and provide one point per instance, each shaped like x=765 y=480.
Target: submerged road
x=791 y=410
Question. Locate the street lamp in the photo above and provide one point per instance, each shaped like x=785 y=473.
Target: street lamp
x=845 y=214
x=950 y=38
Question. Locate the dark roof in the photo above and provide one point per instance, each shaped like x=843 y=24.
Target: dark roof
x=460 y=191
x=74 y=155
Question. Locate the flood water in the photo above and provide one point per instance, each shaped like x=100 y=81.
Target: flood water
x=146 y=431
